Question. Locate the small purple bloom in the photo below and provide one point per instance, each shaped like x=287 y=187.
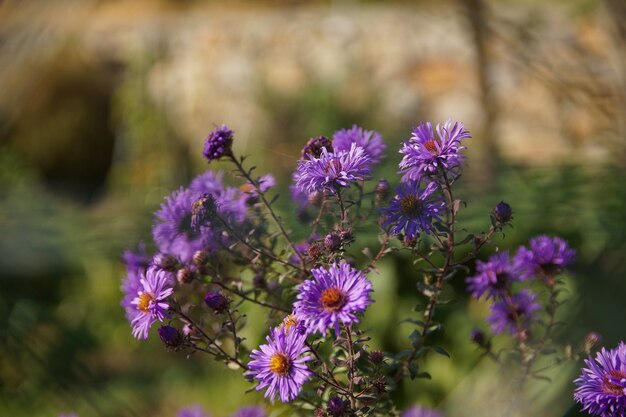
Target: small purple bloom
x=424 y=154
x=193 y=411
x=547 y=255
x=280 y=365
x=418 y=411
x=493 y=277
x=513 y=314
x=293 y=323
x=334 y=296
x=413 y=210
x=218 y=143
x=331 y=171
x=369 y=140
x=136 y=264
x=251 y=411
x=150 y=302
x=601 y=389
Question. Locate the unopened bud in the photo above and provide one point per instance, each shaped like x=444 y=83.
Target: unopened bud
x=382 y=190
x=185 y=275
x=502 y=213
x=216 y=302
x=332 y=241
x=171 y=337
x=165 y=262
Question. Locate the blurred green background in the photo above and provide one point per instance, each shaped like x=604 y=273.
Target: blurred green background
x=105 y=105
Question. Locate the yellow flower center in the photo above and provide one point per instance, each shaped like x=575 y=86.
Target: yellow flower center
x=144 y=302
x=332 y=299
x=289 y=322
x=280 y=364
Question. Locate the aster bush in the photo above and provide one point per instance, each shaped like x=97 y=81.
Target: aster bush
x=219 y=247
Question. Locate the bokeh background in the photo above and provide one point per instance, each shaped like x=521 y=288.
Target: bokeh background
x=104 y=106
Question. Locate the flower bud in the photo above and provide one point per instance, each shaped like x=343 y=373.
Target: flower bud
x=382 y=190
x=216 y=302
x=336 y=407
x=332 y=241
x=591 y=341
x=185 y=275
x=218 y=143
x=315 y=251
x=377 y=357
x=166 y=262
x=502 y=213
x=171 y=337
x=258 y=281
x=200 y=259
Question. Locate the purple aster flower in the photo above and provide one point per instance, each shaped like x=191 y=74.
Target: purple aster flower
x=601 y=389
x=251 y=411
x=417 y=411
x=413 y=210
x=172 y=231
x=193 y=411
x=424 y=154
x=218 y=143
x=334 y=295
x=369 y=140
x=547 y=255
x=136 y=264
x=280 y=365
x=156 y=286
x=513 y=313
x=493 y=277
x=332 y=171
x=293 y=323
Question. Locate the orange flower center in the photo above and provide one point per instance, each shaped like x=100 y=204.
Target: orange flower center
x=332 y=299
x=144 y=302
x=431 y=146
x=280 y=364
x=611 y=388
x=410 y=205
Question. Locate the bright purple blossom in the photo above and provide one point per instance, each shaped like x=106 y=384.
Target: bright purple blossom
x=601 y=389
x=136 y=264
x=193 y=411
x=370 y=140
x=251 y=411
x=413 y=210
x=293 y=323
x=493 y=277
x=334 y=296
x=280 y=365
x=418 y=411
x=218 y=143
x=425 y=154
x=156 y=286
x=547 y=255
x=514 y=313
x=331 y=171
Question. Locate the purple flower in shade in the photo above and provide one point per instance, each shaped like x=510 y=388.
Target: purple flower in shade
x=156 y=286
x=424 y=154
x=336 y=407
x=280 y=365
x=218 y=143
x=334 y=295
x=601 y=389
x=216 y=302
x=514 y=313
x=369 y=140
x=493 y=277
x=251 y=411
x=413 y=210
x=332 y=171
x=193 y=411
x=136 y=264
x=417 y=411
x=172 y=230
x=231 y=202
x=547 y=255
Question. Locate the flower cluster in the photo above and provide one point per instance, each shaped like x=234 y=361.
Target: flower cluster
x=220 y=248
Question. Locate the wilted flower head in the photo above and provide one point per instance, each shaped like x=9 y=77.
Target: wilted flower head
x=418 y=411
x=332 y=171
x=314 y=146
x=515 y=314
x=218 y=143
x=425 y=154
x=413 y=210
x=280 y=365
x=370 y=140
x=493 y=277
x=547 y=255
x=150 y=302
x=334 y=296
x=601 y=389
